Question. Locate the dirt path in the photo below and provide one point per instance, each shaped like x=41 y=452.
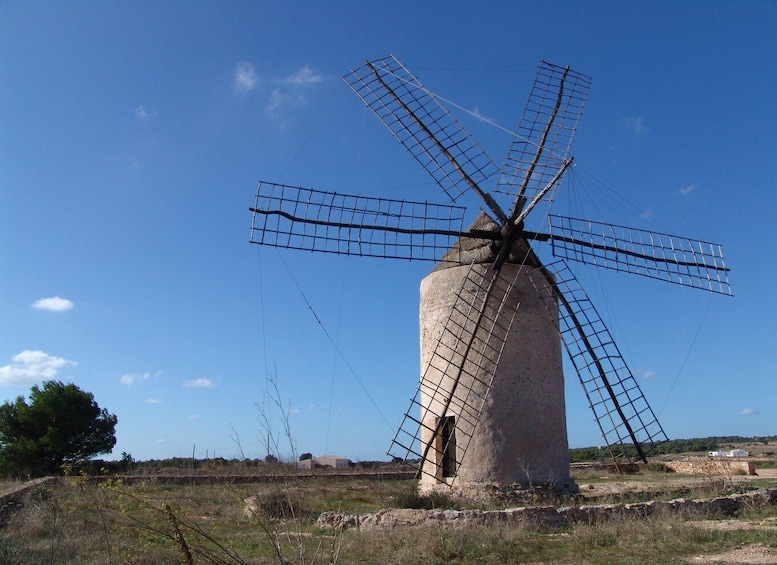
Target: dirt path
x=755 y=554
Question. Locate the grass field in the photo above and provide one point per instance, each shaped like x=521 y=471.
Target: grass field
x=83 y=521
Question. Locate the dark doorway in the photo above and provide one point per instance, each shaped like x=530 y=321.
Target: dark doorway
x=448 y=451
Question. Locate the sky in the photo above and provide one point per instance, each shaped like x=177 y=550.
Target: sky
x=133 y=136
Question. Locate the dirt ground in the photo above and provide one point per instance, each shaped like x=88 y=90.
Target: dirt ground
x=753 y=554
x=756 y=554
x=630 y=485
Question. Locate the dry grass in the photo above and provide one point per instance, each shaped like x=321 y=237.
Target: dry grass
x=79 y=521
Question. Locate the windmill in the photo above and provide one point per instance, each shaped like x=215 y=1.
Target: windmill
x=490 y=408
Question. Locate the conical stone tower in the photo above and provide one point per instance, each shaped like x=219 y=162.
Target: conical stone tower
x=521 y=436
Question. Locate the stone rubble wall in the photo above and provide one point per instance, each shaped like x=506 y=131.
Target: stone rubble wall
x=11 y=498
x=543 y=517
x=710 y=466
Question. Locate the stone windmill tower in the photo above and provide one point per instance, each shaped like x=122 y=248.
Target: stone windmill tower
x=489 y=408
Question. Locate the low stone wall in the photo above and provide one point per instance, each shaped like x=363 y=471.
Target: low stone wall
x=11 y=498
x=543 y=517
x=712 y=466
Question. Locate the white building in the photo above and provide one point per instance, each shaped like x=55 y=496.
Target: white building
x=333 y=461
x=732 y=453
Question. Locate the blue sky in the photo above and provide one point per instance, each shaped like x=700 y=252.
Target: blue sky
x=132 y=137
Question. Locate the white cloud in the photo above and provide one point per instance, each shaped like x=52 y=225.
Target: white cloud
x=199 y=383
x=636 y=125
x=162 y=440
x=303 y=77
x=686 y=190
x=153 y=401
x=311 y=407
x=193 y=417
x=749 y=412
x=130 y=379
x=143 y=113
x=30 y=367
x=293 y=410
x=649 y=374
x=53 y=304
x=246 y=78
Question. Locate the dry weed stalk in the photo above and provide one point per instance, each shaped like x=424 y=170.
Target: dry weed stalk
x=185 y=551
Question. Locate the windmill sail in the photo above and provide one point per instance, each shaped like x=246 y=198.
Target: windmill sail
x=423 y=126
x=544 y=135
x=665 y=257
x=621 y=411
x=301 y=218
x=458 y=377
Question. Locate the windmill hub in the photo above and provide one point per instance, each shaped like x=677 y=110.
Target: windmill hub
x=485 y=250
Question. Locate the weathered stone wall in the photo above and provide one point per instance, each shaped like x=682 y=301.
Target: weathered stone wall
x=710 y=466
x=544 y=517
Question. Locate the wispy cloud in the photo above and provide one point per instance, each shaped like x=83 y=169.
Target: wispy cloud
x=246 y=78
x=130 y=379
x=276 y=101
x=143 y=113
x=193 y=417
x=293 y=410
x=53 y=304
x=302 y=77
x=280 y=102
x=649 y=374
x=30 y=367
x=162 y=440
x=636 y=125
x=291 y=93
x=480 y=115
x=287 y=93
x=199 y=383
x=749 y=412
x=686 y=190
x=153 y=401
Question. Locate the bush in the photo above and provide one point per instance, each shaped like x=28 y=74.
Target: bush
x=434 y=500
x=658 y=467
x=282 y=505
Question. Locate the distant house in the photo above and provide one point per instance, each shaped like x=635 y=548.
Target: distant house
x=732 y=453
x=333 y=461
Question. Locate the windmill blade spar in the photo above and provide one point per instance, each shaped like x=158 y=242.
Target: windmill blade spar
x=665 y=257
x=424 y=127
x=292 y=217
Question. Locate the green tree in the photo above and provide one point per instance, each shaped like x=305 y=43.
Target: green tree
x=61 y=424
